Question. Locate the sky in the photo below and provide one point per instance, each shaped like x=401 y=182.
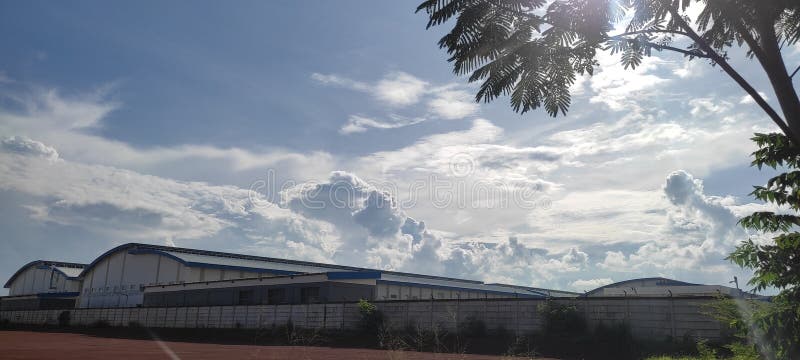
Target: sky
x=336 y=132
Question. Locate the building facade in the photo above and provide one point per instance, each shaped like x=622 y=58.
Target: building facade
x=43 y=284
x=132 y=275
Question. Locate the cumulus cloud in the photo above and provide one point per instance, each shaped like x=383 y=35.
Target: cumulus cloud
x=25 y=146
x=127 y=206
x=699 y=232
x=383 y=234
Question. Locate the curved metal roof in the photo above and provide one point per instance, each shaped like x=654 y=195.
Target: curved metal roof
x=665 y=282
x=205 y=258
x=68 y=269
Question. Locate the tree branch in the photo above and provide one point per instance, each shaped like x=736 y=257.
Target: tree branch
x=654 y=31
x=717 y=58
x=794 y=72
x=696 y=54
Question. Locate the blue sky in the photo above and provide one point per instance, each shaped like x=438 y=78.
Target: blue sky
x=152 y=121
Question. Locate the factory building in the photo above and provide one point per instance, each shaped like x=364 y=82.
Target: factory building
x=151 y=275
x=43 y=284
x=662 y=287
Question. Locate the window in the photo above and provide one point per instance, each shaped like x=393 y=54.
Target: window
x=276 y=296
x=246 y=297
x=309 y=295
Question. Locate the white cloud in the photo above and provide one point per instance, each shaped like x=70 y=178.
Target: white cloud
x=359 y=124
x=453 y=104
x=25 y=146
x=708 y=106
x=332 y=79
x=618 y=88
x=127 y=206
x=590 y=284
x=62 y=122
x=699 y=232
x=400 y=89
x=747 y=99
x=690 y=69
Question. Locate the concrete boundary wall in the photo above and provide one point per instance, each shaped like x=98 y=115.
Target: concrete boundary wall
x=648 y=318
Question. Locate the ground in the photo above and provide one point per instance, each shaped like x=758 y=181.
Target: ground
x=47 y=345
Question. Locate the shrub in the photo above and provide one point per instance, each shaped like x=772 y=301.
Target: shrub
x=64 y=319
x=472 y=327
x=371 y=318
x=562 y=320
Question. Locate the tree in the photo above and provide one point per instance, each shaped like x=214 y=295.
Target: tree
x=533 y=50
x=776 y=265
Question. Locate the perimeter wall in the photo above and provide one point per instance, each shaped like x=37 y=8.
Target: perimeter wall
x=648 y=318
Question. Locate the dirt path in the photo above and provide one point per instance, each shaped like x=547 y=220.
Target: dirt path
x=42 y=345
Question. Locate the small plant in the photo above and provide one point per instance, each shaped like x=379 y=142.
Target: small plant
x=296 y=336
x=371 y=318
x=521 y=348
x=63 y=319
x=706 y=352
x=389 y=340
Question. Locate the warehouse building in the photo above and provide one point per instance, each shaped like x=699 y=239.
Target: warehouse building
x=663 y=287
x=43 y=284
x=151 y=275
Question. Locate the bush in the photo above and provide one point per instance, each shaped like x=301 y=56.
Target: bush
x=562 y=320
x=64 y=319
x=472 y=327
x=742 y=351
x=371 y=318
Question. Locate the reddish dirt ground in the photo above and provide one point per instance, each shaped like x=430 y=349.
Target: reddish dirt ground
x=42 y=345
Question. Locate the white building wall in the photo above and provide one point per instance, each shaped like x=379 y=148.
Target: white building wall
x=34 y=281
x=117 y=280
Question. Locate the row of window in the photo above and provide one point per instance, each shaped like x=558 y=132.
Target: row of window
x=308 y=295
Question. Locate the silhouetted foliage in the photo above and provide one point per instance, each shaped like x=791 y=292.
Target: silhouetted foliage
x=63 y=318
x=776 y=265
x=533 y=50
